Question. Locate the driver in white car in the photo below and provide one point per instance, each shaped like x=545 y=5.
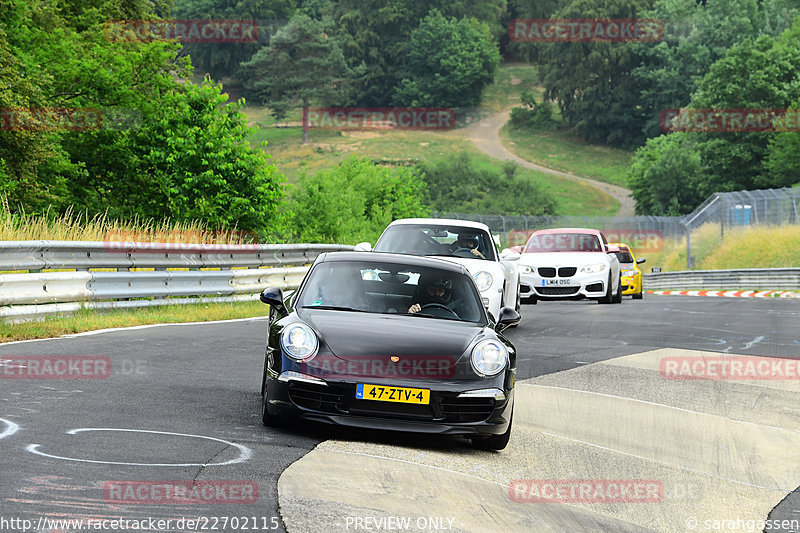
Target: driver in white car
x=432 y=291
x=467 y=241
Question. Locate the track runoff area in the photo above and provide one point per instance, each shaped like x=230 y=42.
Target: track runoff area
x=673 y=413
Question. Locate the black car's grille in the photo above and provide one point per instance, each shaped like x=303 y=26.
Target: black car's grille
x=566 y=272
x=317 y=397
x=547 y=272
x=406 y=411
x=466 y=409
x=557 y=291
x=340 y=399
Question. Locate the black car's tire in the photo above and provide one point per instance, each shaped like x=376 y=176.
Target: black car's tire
x=618 y=297
x=517 y=308
x=608 y=298
x=268 y=419
x=493 y=443
x=264 y=380
x=639 y=295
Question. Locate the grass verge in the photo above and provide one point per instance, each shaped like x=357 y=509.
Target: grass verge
x=561 y=151
x=88 y=320
x=744 y=247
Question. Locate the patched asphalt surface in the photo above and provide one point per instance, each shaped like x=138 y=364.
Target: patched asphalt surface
x=202 y=382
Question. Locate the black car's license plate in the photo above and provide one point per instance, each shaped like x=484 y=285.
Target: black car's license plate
x=382 y=393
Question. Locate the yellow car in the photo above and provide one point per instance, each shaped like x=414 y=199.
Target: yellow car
x=629 y=271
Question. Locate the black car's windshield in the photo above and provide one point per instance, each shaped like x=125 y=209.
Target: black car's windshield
x=563 y=242
x=436 y=240
x=390 y=288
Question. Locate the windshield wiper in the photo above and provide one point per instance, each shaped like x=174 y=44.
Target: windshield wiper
x=333 y=308
x=426 y=315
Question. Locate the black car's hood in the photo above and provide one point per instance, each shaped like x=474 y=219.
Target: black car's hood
x=358 y=335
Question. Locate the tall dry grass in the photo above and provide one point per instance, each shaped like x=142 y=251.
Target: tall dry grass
x=75 y=226
x=740 y=247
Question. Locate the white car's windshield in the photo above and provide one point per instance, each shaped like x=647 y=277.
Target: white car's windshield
x=563 y=242
x=436 y=240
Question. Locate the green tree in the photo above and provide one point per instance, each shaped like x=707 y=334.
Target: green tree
x=223 y=60
x=592 y=81
x=186 y=159
x=354 y=201
x=662 y=174
x=375 y=33
x=695 y=36
x=302 y=64
x=448 y=63
x=163 y=148
x=760 y=74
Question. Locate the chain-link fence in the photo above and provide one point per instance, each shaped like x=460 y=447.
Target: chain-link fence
x=728 y=209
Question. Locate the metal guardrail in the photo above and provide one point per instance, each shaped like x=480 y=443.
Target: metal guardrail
x=772 y=279
x=239 y=272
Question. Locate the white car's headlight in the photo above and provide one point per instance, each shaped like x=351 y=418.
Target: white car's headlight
x=489 y=357
x=483 y=280
x=299 y=342
x=594 y=269
x=525 y=269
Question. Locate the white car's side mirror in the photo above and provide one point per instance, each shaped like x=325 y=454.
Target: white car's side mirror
x=508 y=255
x=363 y=247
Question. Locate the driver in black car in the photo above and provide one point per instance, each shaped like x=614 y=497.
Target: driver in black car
x=467 y=241
x=432 y=291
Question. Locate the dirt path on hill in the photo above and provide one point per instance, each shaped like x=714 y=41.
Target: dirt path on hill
x=486 y=135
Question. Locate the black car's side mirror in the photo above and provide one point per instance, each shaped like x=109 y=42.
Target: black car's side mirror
x=640 y=260
x=508 y=317
x=273 y=296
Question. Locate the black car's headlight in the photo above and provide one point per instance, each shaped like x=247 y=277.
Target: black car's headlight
x=489 y=357
x=299 y=342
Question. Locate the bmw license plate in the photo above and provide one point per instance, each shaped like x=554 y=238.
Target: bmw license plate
x=382 y=393
x=556 y=282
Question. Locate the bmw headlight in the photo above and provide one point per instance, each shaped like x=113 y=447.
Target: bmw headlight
x=299 y=342
x=594 y=269
x=525 y=269
x=489 y=357
x=483 y=280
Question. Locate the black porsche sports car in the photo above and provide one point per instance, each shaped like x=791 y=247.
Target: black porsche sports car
x=389 y=341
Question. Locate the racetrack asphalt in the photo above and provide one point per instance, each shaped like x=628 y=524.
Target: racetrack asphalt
x=191 y=393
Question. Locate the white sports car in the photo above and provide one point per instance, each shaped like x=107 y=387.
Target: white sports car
x=460 y=241
x=569 y=263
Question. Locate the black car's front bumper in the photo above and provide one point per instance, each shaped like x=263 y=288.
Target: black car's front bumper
x=449 y=410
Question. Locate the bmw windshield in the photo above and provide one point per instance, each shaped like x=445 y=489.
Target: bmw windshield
x=563 y=242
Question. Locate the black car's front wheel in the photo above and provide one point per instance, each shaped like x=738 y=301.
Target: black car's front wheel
x=266 y=418
x=494 y=442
